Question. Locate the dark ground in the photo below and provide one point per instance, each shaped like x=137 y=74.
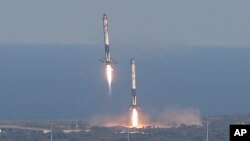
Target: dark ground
x=80 y=131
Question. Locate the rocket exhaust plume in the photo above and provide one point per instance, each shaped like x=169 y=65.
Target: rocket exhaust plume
x=109 y=70
x=107 y=59
x=134 y=117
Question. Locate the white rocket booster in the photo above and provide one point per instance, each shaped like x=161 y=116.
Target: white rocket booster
x=106 y=37
x=133 y=83
x=107 y=60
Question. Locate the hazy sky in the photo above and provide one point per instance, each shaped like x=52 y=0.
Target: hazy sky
x=165 y=37
x=58 y=82
x=191 y=22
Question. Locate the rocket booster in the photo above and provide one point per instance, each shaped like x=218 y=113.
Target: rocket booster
x=105 y=30
x=133 y=82
x=106 y=38
x=107 y=59
x=134 y=107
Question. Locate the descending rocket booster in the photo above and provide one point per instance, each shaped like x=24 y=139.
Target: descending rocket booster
x=134 y=107
x=107 y=60
x=106 y=38
x=133 y=83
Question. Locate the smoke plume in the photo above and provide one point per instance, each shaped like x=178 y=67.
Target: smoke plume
x=175 y=117
x=109 y=121
x=167 y=118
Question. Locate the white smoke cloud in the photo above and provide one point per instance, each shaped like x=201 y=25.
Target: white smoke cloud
x=167 y=118
x=109 y=121
x=176 y=116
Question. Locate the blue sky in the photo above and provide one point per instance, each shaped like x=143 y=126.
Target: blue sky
x=192 y=22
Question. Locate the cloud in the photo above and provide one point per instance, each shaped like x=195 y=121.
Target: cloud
x=175 y=117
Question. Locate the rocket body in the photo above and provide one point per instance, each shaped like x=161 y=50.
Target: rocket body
x=133 y=83
x=134 y=107
x=107 y=58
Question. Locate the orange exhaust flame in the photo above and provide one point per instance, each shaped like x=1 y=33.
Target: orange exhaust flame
x=134 y=118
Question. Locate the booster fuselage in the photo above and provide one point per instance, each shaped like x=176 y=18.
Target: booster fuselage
x=106 y=39
x=133 y=82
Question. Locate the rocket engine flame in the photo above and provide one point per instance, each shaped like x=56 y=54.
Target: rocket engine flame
x=109 y=70
x=134 y=118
